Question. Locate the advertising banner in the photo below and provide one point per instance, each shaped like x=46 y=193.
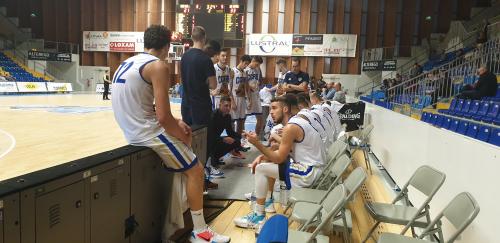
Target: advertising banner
x=31 y=87
x=386 y=65
x=8 y=87
x=59 y=87
x=49 y=56
x=318 y=45
x=113 y=41
x=352 y=114
x=270 y=44
x=99 y=88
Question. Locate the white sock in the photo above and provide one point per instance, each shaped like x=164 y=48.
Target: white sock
x=259 y=209
x=198 y=220
x=269 y=195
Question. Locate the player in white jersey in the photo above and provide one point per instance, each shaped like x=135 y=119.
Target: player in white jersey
x=238 y=87
x=297 y=136
x=254 y=79
x=315 y=119
x=142 y=110
x=281 y=63
x=222 y=74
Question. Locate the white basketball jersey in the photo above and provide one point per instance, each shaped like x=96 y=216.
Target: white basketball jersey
x=336 y=125
x=133 y=100
x=326 y=121
x=310 y=151
x=239 y=78
x=253 y=78
x=316 y=121
x=222 y=75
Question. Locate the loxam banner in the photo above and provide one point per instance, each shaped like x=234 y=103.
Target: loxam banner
x=352 y=114
x=113 y=41
x=317 y=45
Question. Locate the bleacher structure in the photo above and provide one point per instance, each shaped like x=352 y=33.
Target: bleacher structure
x=10 y=67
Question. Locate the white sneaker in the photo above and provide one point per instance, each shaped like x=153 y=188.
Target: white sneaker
x=250 y=196
x=216 y=173
x=269 y=206
x=250 y=221
x=208 y=235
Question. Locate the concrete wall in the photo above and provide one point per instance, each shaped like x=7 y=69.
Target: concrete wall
x=88 y=77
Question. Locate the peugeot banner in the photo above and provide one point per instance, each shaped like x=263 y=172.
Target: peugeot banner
x=352 y=114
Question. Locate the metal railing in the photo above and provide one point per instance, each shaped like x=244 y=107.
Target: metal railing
x=427 y=89
x=405 y=69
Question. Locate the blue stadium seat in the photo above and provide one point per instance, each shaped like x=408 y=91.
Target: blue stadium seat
x=457 y=108
x=462 y=127
x=495 y=137
x=492 y=114
x=440 y=120
x=424 y=116
x=473 y=109
x=483 y=110
x=497 y=120
x=452 y=107
x=465 y=108
x=472 y=131
x=435 y=119
x=432 y=118
x=446 y=123
x=484 y=133
x=454 y=125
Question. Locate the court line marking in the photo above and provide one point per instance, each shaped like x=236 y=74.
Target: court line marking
x=12 y=145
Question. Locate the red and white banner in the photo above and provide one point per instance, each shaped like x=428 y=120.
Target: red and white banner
x=113 y=41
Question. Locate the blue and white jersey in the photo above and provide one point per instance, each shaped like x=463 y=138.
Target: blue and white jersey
x=239 y=79
x=133 y=100
x=254 y=77
x=222 y=75
x=310 y=151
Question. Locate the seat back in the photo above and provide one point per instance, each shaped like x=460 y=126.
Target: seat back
x=446 y=123
x=462 y=127
x=459 y=105
x=474 y=107
x=424 y=116
x=493 y=110
x=472 y=131
x=483 y=110
x=427 y=180
x=333 y=203
x=495 y=137
x=460 y=212
x=335 y=171
x=453 y=104
x=454 y=125
x=354 y=181
x=466 y=106
x=484 y=133
x=365 y=133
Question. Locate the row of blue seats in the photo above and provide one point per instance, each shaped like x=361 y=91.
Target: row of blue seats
x=485 y=111
x=484 y=133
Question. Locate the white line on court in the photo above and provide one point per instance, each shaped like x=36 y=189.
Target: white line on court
x=12 y=144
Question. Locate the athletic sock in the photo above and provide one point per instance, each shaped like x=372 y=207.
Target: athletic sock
x=198 y=220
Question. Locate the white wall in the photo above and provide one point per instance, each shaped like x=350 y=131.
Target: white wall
x=403 y=144
x=67 y=71
x=89 y=76
x=350 y=82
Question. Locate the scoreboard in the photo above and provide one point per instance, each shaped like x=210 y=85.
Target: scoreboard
x=222 y=22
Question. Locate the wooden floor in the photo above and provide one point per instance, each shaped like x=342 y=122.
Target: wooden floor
x=41 y=131
x=374 y=189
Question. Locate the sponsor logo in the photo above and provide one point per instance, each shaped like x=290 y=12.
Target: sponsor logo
x=349 y=116
x=268 y=43
x=122 y=46
x=30 y=86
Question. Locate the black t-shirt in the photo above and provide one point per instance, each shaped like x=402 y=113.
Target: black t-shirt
x=196 y=67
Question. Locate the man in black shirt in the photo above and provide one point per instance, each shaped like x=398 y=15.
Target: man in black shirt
x=221 y=120
x=198 y=76
x=484 y=87
x=296 y=81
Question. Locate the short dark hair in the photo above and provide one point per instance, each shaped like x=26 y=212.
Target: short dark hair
x=156 y=37
x=198 y=33
x=281 y=61
x=212 y=47
x=258 y=59
x=295 y=59
x=316 y=94
x=225 y=98
x=303 y=98
x=245 y=58
x=289 y=100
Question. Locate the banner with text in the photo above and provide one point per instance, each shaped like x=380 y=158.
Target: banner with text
x=109 y=41
x=49 y=56
x=99 y=88
x=353 y=115
x=31 y=87
x=59 y=87
x=319 y=45
x=8 y=87
x=387 y=65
